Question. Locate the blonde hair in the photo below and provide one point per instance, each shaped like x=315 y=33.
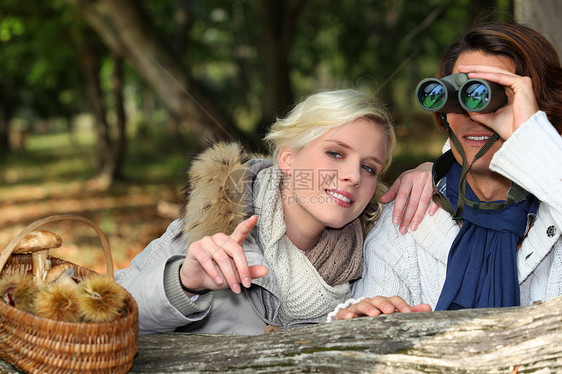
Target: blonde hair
x=323 y=111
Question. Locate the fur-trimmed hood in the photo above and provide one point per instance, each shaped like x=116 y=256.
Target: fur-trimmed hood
x=218 y=191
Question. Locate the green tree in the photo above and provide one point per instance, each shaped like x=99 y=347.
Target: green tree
x=223 y=69
x=36 y=82
x=52 y=69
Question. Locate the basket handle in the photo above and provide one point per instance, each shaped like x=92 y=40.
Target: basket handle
x=59 y=217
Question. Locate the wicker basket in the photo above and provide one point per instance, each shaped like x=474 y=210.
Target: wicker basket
x=41 y=345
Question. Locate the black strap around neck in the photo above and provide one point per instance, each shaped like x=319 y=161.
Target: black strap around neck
x=442 y=166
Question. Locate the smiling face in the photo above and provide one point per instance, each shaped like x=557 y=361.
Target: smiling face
x=330 y=181
x=471 y=134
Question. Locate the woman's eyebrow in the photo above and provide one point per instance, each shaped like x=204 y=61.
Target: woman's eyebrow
x=347 y=146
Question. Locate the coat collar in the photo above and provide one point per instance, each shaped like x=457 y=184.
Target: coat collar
x=218 y=192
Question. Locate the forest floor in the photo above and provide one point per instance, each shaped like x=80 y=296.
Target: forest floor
x=52 y=175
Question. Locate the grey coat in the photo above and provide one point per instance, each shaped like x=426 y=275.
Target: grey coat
x=153 y=275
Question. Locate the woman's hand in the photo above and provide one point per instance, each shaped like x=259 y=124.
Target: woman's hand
x=521 y=101
x=412 y=190
x=375 y=306
x=219 y=262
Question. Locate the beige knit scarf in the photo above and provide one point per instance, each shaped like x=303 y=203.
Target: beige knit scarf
x=308 y=285
x=338 y=256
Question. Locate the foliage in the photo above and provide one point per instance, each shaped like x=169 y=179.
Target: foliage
x=383 y=47
x=41 y=78
x=380 y=46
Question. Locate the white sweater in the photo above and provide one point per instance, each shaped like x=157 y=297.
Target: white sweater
x=413 y=266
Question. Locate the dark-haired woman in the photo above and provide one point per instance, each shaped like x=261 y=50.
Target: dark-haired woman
x=498 y=241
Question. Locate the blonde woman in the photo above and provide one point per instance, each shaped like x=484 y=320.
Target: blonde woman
x=268 y=244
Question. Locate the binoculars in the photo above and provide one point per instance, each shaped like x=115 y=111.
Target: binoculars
x=456 y=93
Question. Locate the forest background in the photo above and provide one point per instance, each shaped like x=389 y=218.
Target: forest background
x=103 y=102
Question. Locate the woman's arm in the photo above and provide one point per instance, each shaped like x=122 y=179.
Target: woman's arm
x=158 y=276
x=145 y=279
x=532 y=158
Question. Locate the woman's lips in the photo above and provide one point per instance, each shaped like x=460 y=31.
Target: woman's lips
x=477 y=139
x=342 y=198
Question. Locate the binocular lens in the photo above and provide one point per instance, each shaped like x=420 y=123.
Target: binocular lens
x=475 y=96
x=456 y=93
x=432 y=96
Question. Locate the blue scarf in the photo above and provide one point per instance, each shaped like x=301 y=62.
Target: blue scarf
x=482 y=263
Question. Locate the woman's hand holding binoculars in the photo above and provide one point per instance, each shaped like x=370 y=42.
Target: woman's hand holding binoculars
x=521 y=101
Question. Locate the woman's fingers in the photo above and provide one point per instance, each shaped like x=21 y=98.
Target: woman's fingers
x=231 y=263
x=223 y=260
x=229 y=258
x=389 y=305
x=375 y=306
x=236 y=251
x=258 y=271
x=243 y=229
x=392 y=192
x=412 y=192
x=421 y=308
x=199 y=257
x=420 y=198
x=522 y=103
x=433 y=208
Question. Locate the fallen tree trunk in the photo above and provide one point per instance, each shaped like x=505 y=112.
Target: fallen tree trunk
x=503 y=340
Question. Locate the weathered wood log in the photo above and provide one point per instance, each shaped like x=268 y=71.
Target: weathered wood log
x=502 y=340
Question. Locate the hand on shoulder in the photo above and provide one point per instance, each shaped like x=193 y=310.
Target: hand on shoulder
x=412 y=192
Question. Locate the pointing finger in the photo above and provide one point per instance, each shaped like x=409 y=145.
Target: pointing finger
x=243 y=229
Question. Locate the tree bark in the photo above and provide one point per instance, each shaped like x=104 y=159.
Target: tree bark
x=126 y=30
x=7 y=108
x=183 y=22
x=277 y=20
x=105 y=160
x=544 y=16
x=121 y=143
x=501 y=340
x=4 y=140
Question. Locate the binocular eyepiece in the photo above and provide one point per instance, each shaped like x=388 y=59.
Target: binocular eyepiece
x=456 y=93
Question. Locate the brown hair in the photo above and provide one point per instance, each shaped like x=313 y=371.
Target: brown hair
x=533 y=56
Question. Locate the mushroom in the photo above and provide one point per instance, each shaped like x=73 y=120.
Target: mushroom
x=62 y=273
x=38 y=244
